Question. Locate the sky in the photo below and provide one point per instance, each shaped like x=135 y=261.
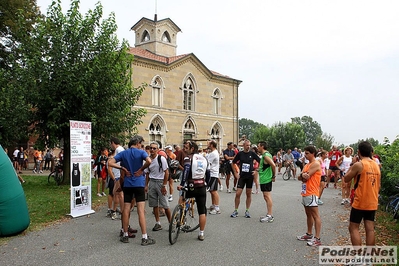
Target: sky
x=335 y=61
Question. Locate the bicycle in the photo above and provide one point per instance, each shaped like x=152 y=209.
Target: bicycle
x=184 y=218
x=392 y=206
x=56 y=176
x=287 y=173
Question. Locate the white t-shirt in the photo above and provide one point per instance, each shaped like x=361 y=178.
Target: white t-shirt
x=15 y=153
x=115 y=171
x=154 y=170
x=213 y=163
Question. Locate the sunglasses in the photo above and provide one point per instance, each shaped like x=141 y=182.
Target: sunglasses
x=153 y=148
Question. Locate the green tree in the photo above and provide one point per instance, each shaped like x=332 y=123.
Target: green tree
x=311 y=128
x=281 y=135
x=372 y=141
x=17 y=18
x=247 y=127
x=324 y=141
x=75 y=68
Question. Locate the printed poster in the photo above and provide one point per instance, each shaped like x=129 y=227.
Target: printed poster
x=80 y=168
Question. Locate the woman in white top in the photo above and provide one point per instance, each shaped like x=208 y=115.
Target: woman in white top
x=344 y=163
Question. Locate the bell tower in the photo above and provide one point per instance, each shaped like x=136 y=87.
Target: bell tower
x=156 y=36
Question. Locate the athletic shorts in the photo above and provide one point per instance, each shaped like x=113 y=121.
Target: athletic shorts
x=323 y=178
x=213 y=184
x=130 y=193
x=356 y=215
x=200 y=198
x=266 y=187
x=111 y=184
x=228 y=169
x=155 y=197
x=333 y=168
x=245 y=182
x=310 y=201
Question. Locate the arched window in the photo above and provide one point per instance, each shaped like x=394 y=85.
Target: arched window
x=216 y=101
x=166 y=37
x=157 y=129
x=189 y=129
x=146 y=36
x=157 y=91
x=216 y=134
x=188 y=94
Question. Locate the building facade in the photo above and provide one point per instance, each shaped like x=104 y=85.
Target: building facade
x=183 y=98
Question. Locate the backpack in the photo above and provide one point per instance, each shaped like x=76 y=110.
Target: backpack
x=198 y=171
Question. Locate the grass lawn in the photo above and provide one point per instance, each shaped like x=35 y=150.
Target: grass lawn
x=48 y=203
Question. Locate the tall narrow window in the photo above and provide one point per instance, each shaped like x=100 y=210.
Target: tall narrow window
x=189 y=130
x=188 y=95
x=216 y=101
x=157 y=85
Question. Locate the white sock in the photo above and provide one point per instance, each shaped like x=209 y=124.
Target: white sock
x=144 y=236
x=201 y=233
x=159 y=222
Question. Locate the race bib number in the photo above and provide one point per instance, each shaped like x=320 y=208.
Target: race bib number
x=245 y=167
x=333 y=158
x=303 y=191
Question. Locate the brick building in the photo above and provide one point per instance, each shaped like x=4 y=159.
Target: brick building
x=184 y=99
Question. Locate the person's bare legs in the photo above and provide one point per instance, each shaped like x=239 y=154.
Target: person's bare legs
x=141 y=214
x=269 y=203
x=237 y=198
x=249 y=198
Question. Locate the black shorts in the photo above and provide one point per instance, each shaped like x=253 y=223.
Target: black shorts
x=111 y=184
x=323 y=178
x=266 y=187
x=333 y=168
x=228 y=169
x=200 y=198
x=356 y=215
x=130 y=193
x=213 y=184
x=245 y=182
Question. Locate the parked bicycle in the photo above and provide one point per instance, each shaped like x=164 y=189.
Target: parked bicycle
x=184 y=218
x=288 y=171
x=56 y=176
x=392 y=206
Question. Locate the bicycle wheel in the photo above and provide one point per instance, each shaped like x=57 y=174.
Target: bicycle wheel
x=192 y=219
x=391 y=204
x=396 y=209
x=51 y=177
x=174 y=225
x=59 y=178
x=286 y=175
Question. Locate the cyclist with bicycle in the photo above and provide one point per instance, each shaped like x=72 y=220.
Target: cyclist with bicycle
x=193 y=178
x=289 y=162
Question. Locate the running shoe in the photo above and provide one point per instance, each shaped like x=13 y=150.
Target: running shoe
x=247 y=215
x=305 y=237
x=109 y=214
x=124 y=239
x=314 y=242
x=268 y=218
x=170 y=199
x=114 y=215
x=221 y=188
x=157 y=227
x=99 y=195
x=214 y=211
x=201 y=237
x=103 y=193
x=319 y=202
x=343 y=202
x=234 y=214
x=228 y=190
x=147 y=241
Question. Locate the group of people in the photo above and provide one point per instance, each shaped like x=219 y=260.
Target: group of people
x=362 y=170
x=139 y=170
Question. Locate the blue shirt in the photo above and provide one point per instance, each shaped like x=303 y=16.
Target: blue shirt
x=296 y=154
x=132 y=159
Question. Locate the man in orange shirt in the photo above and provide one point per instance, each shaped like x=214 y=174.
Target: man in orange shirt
x=310 y=177
x=367 y=175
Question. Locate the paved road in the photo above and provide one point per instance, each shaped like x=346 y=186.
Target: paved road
x=93 y=239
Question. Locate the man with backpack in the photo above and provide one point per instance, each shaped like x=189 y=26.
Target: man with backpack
x=195 y=166
x=157 y=175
